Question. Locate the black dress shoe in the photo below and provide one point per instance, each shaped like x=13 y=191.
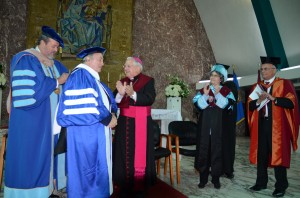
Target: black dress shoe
x=217 y=185
x=229 y=176
x=201 y=185
x=257 y=187
x=278 y=193
x=216 y=182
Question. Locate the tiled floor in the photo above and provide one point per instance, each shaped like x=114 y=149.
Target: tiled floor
x=245 y=175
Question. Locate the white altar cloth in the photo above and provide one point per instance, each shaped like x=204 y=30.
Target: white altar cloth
x=165 y=116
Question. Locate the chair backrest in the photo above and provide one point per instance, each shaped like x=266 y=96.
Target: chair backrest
x=186 y=131
x=156 y=133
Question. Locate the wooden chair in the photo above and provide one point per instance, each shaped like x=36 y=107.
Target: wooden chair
x=182 y=133
x=2 y=156
x=160 y=151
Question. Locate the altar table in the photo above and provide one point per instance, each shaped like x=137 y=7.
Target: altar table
x=165 y=116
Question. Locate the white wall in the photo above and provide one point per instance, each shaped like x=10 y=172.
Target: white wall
x=235 y=37
x=233 y=32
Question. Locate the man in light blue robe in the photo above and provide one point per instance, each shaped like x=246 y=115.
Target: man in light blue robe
x=36 y=79
x=87 y=109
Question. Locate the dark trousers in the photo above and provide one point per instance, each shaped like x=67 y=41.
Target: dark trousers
x=210 y=145
x=205 y=173
x=264 y=153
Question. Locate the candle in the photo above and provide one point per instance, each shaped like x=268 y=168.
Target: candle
x=108 y=76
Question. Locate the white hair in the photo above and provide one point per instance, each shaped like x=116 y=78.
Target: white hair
x=85 y=58
x=135 y=63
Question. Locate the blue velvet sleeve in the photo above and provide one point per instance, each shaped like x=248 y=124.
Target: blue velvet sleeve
x=30 y=86
x=200 y=100
x=60 y=67
x=222 y=101
x=81 y=102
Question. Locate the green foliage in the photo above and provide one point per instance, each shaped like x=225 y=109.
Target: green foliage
x=2 y=78
x=184 y=90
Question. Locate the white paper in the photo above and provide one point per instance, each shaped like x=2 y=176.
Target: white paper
x=263 y=103
x=255 y=95
x=256 y=92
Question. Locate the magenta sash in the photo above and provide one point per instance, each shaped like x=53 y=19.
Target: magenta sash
x=140 y=114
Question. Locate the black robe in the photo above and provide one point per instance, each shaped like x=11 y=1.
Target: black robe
x=229 y=130
x=209 y=147
x=124 y=139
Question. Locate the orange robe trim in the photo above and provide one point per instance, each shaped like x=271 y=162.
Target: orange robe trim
x=285 y=125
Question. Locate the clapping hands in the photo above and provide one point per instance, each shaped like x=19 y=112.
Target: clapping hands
x=206 y=89
x=124 y=88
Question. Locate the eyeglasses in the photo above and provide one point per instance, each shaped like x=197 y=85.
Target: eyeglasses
x=128 y=66
x=266 y=69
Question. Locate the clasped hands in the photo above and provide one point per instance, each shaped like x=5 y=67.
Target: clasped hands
x=206 y=89
x=124 y=88
x=264 y=95
x=113 y=121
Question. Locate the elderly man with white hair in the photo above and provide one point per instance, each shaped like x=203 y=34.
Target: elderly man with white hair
x=87 y=109
x=134 y=165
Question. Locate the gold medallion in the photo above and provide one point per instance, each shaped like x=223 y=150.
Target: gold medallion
x=57 y=91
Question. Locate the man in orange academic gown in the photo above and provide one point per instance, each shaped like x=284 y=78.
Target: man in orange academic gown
x=273 y=118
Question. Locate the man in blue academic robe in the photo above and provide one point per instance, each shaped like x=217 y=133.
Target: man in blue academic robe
x=35 y=85
x=87 y=109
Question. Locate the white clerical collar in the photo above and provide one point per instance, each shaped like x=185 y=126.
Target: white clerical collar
x=90 y=70
x=270 y=81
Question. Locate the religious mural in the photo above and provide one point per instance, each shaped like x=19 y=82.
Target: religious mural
x=84 y=23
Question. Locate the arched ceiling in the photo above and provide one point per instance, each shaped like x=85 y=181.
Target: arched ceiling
x=235 y=36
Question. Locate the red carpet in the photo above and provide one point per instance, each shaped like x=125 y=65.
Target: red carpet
x=159 y=190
